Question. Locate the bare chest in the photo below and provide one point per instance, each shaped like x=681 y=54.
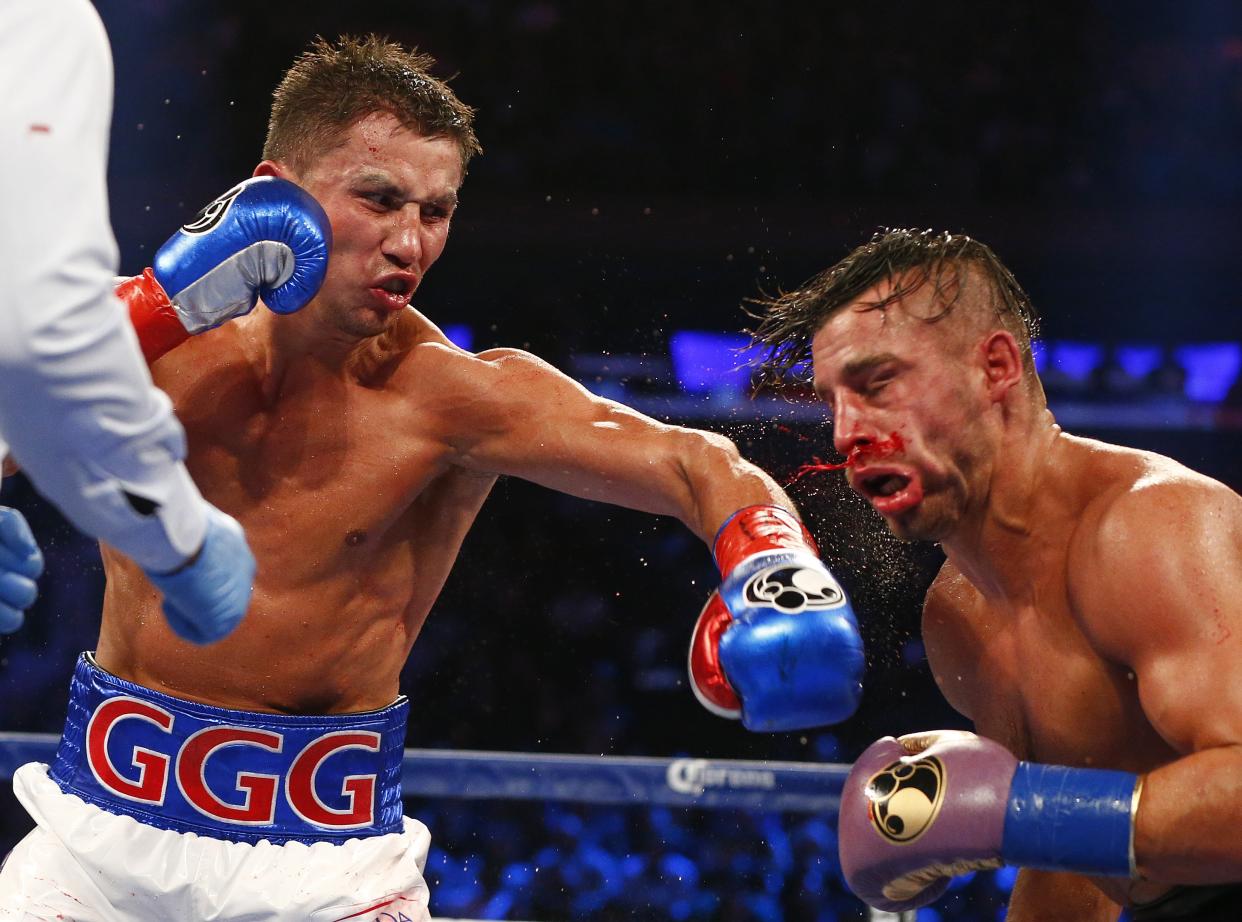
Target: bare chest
x=333 y=468
x=1030 y=678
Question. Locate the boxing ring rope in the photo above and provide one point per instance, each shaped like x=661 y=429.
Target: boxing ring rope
x=789 y=787
x=726 y=784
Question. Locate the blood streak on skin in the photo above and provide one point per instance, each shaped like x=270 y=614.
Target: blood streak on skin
x=884 y=448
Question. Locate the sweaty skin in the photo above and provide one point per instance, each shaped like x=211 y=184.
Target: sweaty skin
x=1090 y=610
x=356 y=445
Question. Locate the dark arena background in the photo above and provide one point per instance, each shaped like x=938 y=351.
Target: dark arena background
x=648 y=167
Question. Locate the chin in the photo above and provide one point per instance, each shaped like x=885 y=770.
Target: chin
x=922 y=524
x=364 y=323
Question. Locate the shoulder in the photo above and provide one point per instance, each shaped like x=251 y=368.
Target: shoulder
x=458 y=374
x=467 y=395
x=1141 y=500
x=1155 y=538
x=215 y=356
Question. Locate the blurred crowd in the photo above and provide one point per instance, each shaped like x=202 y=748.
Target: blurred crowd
x=647 y=166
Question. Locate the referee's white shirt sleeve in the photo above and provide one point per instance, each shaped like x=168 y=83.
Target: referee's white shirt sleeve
x=77 y=406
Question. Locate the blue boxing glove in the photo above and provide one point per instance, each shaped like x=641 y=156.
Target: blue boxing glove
x=266 y=237
x=21 y=563
x=777 y=644
x=205 y=598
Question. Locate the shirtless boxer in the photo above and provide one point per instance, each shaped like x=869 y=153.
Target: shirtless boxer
x=77 y=405
x=356 y=444
x=1088 y=618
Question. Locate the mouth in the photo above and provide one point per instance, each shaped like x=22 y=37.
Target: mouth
x=394 y=292
x=889 y=491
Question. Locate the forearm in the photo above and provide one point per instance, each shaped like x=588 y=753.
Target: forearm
x=718 y=482
x=1042 y=895
x=1185 y=812
x=96 y=437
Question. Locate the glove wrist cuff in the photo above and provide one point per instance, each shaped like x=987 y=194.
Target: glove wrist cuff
x=754 y=529
x=1071 y=819
x=152 y=314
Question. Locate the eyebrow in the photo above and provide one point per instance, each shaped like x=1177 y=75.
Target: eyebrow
x=867 y=363
x=856 y=368
x=382 y=182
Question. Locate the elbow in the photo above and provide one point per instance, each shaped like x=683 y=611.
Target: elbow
x=705 y=456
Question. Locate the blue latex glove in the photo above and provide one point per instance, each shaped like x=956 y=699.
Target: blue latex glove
x=21 y=563
x=206 y=598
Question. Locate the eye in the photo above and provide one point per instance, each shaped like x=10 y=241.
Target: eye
x=434 y=214
x=382 y=201
x=881 y=380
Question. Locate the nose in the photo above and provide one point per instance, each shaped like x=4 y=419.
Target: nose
x=403 y=244
x=850 y=427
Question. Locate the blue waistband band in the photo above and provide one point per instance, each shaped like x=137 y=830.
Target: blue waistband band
x=236 y=775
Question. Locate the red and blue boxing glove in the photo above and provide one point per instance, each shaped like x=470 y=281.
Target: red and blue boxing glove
x=917 y=811
x=777 y=644
x=266 y=237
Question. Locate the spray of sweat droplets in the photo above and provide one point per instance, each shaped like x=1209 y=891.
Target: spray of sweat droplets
x=885 y=577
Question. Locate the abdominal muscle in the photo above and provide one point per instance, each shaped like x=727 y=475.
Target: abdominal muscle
x=329 y=625
x=320 y=650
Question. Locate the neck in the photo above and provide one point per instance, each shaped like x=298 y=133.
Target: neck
x=295 y=344
x=996 y=545
x=299 y=343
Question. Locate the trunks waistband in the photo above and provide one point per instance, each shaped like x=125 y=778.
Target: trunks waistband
x=237 y=775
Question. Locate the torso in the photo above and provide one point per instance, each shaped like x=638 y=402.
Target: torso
x=1026 y=671
x=352 y=508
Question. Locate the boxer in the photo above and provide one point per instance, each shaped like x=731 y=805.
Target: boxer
x=1088 y=617
x=356 y=444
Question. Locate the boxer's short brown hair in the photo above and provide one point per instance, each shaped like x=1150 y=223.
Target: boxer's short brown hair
x=332 y=85
x=910 y=258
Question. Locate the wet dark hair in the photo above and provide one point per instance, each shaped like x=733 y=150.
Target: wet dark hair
x=332 y=85
x=910 y=258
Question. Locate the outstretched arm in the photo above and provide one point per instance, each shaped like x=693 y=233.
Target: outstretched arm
x=526 y=419
x=777 y=645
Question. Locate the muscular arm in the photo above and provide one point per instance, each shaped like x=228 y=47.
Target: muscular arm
x=524 y=418
x=76 y=403
x=1159 y=587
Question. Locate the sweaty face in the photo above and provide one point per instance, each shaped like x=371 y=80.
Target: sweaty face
x=390 y=194
x=888 y=372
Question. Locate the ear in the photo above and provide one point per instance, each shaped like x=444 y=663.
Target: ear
x=1002 y=363
x=274 y=168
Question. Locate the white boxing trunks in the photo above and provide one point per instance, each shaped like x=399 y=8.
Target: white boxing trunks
x=159 y=809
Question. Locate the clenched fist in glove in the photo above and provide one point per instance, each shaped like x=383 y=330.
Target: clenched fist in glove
x=777 y=644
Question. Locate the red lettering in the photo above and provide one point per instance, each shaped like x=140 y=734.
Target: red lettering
x=152 y=766
x=258 y=806
x=359 y=789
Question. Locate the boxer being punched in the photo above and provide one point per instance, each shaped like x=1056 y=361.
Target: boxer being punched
x=1088 y=618
x=356 y=445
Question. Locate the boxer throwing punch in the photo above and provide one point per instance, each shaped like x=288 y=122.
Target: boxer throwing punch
x=1088 y=618
x=356 y=445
